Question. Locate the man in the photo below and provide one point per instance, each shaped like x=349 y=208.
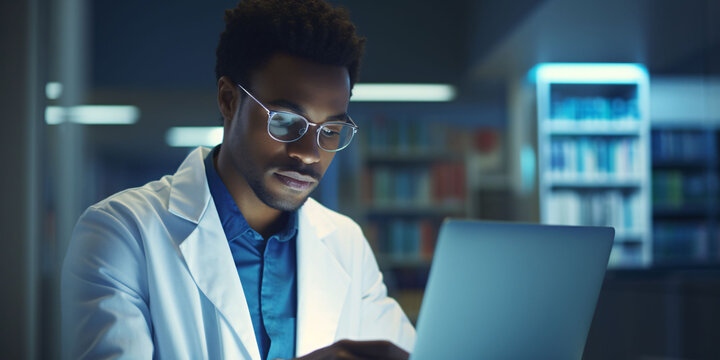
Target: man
x=228 y=257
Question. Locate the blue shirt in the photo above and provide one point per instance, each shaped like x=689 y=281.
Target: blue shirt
x=267 y=270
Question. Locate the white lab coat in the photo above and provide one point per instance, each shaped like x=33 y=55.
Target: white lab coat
x=149 y=274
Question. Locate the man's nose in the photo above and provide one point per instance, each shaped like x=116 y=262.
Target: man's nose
x=306 y=148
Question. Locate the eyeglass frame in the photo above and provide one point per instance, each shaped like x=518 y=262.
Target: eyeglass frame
x=308 y=123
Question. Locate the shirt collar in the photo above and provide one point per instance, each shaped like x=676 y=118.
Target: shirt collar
x=233 y=221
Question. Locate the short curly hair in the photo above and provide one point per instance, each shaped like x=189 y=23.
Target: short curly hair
x=256 y=30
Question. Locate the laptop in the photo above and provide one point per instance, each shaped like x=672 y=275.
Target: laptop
x=511 y=291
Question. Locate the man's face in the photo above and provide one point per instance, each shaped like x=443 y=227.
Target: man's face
x=282 y=175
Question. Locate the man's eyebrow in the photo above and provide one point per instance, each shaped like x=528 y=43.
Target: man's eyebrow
x=287 y=104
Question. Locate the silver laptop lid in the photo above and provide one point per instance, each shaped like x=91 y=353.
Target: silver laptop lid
x=511 y=291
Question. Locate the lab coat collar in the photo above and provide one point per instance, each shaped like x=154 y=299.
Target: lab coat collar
x=322 y=281
x=206 y=250
x=189 y=194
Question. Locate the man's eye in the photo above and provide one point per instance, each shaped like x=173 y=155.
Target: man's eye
x=328 y=132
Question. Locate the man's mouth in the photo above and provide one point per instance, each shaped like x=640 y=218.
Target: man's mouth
x=295 y=180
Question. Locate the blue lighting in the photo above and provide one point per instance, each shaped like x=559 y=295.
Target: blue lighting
x=599 y=73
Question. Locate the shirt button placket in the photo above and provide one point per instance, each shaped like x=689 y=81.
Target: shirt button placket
x=267 y=289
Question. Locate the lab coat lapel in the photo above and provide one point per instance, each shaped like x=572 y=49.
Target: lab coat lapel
x=322 y=281
x=206 y=250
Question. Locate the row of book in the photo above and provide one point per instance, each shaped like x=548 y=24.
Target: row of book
x=678 y=242
x=621 y=210
x=589 y=157
x=403 y=239
x=680 y=145
x=436 y=184
x=596 y=108
x=411 y=135
x=674 y=188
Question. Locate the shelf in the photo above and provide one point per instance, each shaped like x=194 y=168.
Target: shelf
x=685 y=211
x=689 y=164
x=684 y=124
x=412 y=210
x=593 y=183
x=491 y=182
x=675 y=265
x=592 y=127
x=394 y=157
x=593 y=143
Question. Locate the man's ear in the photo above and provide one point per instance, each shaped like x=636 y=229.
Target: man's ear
x=228 y=98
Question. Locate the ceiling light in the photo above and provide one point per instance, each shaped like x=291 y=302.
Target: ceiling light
x=53 y=90
x=193 y=136
x=403 y=92
x=598 y=73
x=93 y=114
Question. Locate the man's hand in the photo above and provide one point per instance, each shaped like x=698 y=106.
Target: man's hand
x=358 y=350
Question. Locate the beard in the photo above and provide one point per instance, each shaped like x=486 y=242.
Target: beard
x=258 y=178
x=275 y=201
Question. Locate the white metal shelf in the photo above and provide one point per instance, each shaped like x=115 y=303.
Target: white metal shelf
x=566 y=94
x=599 y=182
x=592 y=127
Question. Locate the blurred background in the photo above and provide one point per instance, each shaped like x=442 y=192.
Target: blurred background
x=99 y=96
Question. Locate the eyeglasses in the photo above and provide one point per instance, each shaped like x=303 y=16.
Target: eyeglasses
x=287 y=127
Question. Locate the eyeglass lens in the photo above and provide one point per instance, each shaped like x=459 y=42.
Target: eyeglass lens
x=288 y=127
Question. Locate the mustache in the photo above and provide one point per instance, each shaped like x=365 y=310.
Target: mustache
x=307 y=170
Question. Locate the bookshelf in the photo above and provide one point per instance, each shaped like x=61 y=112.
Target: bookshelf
x=685 y=193
x=593 y=152
x=416 y=166
x=413 y=176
